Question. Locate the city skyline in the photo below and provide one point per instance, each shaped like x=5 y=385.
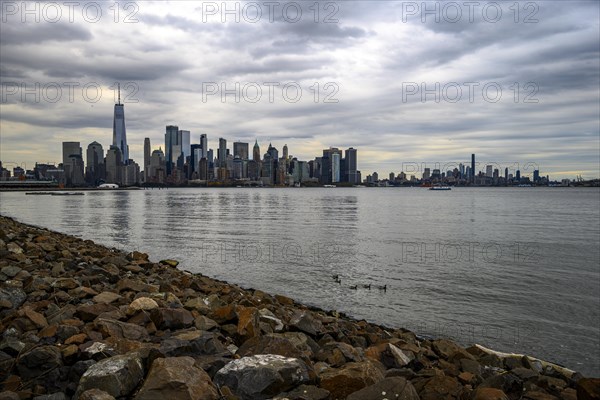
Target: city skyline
x=379 y=59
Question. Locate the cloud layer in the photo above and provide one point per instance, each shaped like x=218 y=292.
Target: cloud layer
x=403 y=84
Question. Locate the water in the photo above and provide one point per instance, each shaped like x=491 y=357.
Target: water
x=514 y=269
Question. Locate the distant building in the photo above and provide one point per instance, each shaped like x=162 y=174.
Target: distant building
x=351 y=174
x=94 y=169
x=256 y=151
x=113 y=165
x=119 y=133
x=73 y=163
x=240 y=150
x=147 y=155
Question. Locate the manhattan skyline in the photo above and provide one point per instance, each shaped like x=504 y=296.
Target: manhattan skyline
x=375 y=58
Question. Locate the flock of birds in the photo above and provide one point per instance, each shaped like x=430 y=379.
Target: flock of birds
x=337 y=279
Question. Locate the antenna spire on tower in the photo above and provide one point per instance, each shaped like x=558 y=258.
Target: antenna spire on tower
x=119 y=91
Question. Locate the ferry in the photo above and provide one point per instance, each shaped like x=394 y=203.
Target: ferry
x=440 y=188
x=329 y=186
x=108 y=186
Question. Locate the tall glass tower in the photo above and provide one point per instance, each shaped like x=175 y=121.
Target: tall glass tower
x=119 y=135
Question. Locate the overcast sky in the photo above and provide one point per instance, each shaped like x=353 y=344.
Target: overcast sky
x=371 y=62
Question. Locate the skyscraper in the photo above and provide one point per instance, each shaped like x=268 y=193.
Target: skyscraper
x=240 y=150
x=204 y=145
x=119 y=135
x=222 y=153
x=472 y=168
x=172 y=147
x=256 y=151
x=94 y=170
x=73 y=163
x=185 y=145
x=113 y=165
x=335 y=167
x=351 y=174
x=147 y=156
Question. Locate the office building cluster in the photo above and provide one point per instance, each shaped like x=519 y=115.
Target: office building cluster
x=183 y=162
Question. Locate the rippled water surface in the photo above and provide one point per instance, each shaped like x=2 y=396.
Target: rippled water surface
x=515 y=269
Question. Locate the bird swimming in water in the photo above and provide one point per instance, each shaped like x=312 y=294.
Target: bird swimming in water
x=353 y=287
x=335 y=277
x=367 y=286
x=384 y=288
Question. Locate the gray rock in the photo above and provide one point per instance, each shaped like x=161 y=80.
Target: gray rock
x=305 y=321
x=38 y=361
x=388 y=388
x=95 y=394
x=177 y=378
x=53 y=396
x=262 y=376
x=10 y=271
x=16 y=296
x=117 y=375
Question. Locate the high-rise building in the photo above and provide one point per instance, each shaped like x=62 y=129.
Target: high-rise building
x=222 y=153
x=73 y=163
x=426 y=173
x=240 y=150
x=119 y=134
x=113 y=164
x=536 y=175
x=172 y=147
x=489 y=172
x=94 y=170
x=157 y=170
x=185 y=144
x=147 y=155
x=204 y=145
x=195 y=157
x=285 y=152
x=472 y=168
x=256 y=151
x=335 y=167
x=350 y=165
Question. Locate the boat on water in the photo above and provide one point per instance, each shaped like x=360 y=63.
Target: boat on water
x=440 y=188
x=108 y=186
x=55 y=193
x=329 y=186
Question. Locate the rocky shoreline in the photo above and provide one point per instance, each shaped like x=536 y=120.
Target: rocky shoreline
x=82 y=321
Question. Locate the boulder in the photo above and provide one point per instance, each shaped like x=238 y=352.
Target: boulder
x=95 y=394
x=388 y=388
x=588 y=389
x=440 y=387
x=306 y=322
x=106 y=297
x=489 y=394
x=117 y=375
x=110 y=327
x=351 y=377
x=304 y=392
x=171 y=318
x=142 y=303
x=177 y=378
x=262 y=376
x=39 y=361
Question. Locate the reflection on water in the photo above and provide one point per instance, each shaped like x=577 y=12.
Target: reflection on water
x=513 y=269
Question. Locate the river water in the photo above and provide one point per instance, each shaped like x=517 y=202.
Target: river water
x=514 y=269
